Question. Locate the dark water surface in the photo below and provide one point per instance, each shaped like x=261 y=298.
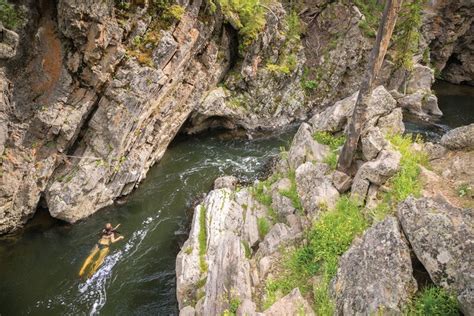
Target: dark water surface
x=39 y=266
x=457 y=104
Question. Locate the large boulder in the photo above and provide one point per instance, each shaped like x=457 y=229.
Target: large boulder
x=373 y=142
x=304 y=148
x=8 y=43
x=459 y=138
x=230 y=222
x=442 y=237
x=290 y=305
x=314 y=188
x=279 y=235
x=376 y=172
x=375 y=274
x=229 y=277
x=336 y=117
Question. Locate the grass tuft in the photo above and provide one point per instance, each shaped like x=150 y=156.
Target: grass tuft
x=334 y=142
x=202 y=239
x=434 y=301
x=263 y=227
x=292 y=193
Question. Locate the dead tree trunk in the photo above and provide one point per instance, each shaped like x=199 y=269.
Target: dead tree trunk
x=387 y=24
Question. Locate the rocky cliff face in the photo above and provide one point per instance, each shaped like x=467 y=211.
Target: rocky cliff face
x=93 y=92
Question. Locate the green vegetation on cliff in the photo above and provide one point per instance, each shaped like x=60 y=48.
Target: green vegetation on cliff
x=406 y=181
x=406 y=37
x=248 y=16
x=9 y=17
x=202 y=239
x=334 y=143
x=434 y=301
x=328 y=239
x=287 y=61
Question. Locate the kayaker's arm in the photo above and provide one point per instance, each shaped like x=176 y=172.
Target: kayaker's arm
x=113 y=239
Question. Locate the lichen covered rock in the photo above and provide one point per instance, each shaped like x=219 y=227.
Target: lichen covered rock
x=375 y=274
x=442 y=237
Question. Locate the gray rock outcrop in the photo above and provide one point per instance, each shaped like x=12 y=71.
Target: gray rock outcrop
x=290 y=305
x=461 y=138
x=314 y=188
x=376 y=172
x=375 y=274
x=442 y=237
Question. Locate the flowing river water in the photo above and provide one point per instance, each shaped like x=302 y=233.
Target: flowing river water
x=39 y=265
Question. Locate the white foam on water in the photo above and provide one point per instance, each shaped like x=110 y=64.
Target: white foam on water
x=93 y=292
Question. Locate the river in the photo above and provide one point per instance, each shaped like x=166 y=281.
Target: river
x=39 y=265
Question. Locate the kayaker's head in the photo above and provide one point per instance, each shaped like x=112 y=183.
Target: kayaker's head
x=108 y=227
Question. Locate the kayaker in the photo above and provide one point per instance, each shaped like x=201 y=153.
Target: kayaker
x=101 y=248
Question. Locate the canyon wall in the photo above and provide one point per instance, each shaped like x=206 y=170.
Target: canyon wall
x=93 y=92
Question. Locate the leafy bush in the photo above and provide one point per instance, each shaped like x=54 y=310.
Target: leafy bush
x=9 y=17
x=434 y=301
x=247 y=15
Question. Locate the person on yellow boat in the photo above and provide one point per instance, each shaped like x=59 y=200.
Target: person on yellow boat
x=101 y=249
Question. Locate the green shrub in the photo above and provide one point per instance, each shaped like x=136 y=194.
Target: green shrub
x=406 y=36
x=175 y=12
x=434 y=301
x=247 y=15
x=9 y=17
x=326 y=138
x=263 y=227
x=372 y=11
x=202 y=239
